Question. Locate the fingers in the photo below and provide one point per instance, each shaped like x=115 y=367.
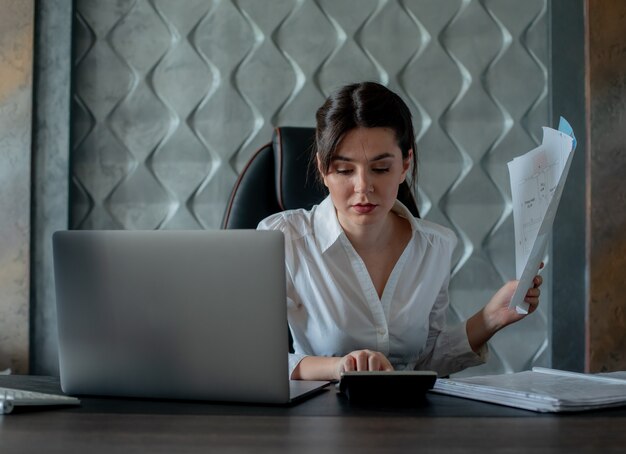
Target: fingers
x=533 y=304
x=386 y=365
x=365 y=360
x=373 y=362
x=533 y=293
x=378 y=361
x=532 y=296
x=348 y=364
x=362 y=362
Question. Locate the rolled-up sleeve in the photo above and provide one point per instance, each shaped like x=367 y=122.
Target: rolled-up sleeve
x=294 y=360
x=447 y=348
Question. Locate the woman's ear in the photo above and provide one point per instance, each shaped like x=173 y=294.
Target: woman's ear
x=406 y=165
x=320 y=169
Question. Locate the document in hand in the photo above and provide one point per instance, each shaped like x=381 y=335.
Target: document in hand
x=542 y=390
x=537 y=180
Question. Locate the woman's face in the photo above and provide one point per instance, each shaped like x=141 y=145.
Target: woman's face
x=364 y=176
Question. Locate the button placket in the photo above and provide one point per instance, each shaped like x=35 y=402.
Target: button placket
x=371 y=297
x=388 y=293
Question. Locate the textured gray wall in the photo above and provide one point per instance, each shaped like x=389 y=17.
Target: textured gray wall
x=169 y=102
x=50 y=198
x=16 y=60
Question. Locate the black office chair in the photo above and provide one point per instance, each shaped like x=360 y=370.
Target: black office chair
x=278 y=177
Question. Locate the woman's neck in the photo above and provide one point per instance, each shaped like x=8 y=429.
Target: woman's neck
x=372 y=237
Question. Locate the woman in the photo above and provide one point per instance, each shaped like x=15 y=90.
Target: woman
x=368 y=282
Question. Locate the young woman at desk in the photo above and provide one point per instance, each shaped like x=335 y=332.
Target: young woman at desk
x=368 y=282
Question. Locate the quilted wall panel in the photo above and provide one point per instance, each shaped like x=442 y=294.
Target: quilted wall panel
x=170 y=99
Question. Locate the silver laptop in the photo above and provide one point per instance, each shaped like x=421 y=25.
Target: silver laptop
x=174 y=314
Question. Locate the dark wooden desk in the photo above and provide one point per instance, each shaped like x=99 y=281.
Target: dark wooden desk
x=325 y=423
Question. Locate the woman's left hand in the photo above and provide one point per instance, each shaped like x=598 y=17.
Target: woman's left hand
x=497 y=313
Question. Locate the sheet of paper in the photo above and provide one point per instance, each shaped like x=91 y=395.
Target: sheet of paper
x=540 y=390
x=537 y=181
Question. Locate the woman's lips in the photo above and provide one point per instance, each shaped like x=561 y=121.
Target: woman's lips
x=364 y=208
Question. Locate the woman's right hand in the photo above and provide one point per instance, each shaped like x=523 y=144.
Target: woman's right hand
x=331 y=367
x=362 y=360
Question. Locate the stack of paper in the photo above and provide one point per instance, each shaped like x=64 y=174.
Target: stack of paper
x=543 y=390
x=537 y=180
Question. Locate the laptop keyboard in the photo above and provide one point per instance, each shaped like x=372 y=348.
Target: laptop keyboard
x=10 y=398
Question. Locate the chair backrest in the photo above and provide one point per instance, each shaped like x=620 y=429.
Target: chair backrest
x=278 y=177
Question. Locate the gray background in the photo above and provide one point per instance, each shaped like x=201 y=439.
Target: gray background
x=16 y=97
x=170 y=99
x=169 y=103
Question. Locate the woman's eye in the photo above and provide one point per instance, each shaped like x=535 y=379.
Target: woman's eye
x=343 y=171
x=381 y=170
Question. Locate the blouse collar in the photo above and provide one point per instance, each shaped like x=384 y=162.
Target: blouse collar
x=327 y=227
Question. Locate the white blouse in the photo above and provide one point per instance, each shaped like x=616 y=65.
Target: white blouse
x=333 y=307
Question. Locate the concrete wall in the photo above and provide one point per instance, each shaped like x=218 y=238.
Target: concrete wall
x=607 y=186
x=51 y=137
x=16 y=62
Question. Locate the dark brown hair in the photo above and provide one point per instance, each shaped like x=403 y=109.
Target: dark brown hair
x=364 y=105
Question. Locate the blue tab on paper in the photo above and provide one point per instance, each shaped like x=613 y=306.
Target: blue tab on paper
x=566 y=128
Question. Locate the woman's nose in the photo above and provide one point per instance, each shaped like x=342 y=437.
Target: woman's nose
x=362 y=185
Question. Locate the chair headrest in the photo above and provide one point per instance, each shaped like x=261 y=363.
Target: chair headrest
x=296 y=182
